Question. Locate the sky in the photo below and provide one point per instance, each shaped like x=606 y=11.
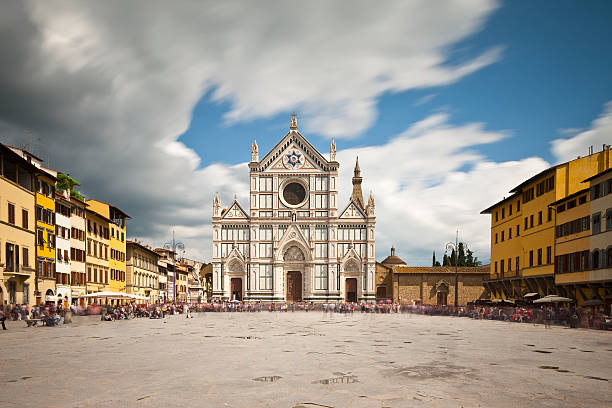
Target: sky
x=153 y=105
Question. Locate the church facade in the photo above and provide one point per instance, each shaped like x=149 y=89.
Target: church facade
x=291 y=242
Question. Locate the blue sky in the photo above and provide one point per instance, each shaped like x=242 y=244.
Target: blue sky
x=554 y=73
x=448 y=103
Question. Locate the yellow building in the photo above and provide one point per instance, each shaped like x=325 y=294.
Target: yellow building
x=114 y=232
x=17 y=228
x=45 y=235
x=523 y=227
x=142 y=271
x=97 y=262
x=181 y=284
x=572 y=243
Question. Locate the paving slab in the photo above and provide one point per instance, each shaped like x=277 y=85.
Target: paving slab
x=305 y=360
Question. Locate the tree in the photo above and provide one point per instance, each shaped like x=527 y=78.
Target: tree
x=434 y=262
x=446 y=260
x=453 y=258
x=461 y=258
x=471 y=260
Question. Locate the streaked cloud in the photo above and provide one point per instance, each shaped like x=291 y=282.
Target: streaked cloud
x=598 y=134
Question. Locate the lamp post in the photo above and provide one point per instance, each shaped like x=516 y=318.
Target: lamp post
x=173 y=246
x=454 y=246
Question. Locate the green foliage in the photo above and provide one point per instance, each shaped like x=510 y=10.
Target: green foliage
x=461 y=258
x=67 y=183
x=77 y=195
x=465 y=258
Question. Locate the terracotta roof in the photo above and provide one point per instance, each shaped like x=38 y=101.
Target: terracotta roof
x=484 y=269
x=393 y=259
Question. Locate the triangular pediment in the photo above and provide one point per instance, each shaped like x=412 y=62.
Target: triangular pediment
x=294 y=153
x=352 y=211
x=235 y=212
x=235 y=262
x=351 y=261
x=293 y=236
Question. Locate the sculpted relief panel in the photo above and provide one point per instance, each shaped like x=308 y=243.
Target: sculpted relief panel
x=294 y=254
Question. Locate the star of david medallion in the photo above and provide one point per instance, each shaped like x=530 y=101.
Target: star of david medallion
x=294 y=160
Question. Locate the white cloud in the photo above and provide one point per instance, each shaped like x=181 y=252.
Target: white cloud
x=109 y=86
x=597 y=135
x=428 y=182
x=425 y=99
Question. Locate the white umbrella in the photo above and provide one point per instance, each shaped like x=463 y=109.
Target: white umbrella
x=553 y=299
x=109 y=295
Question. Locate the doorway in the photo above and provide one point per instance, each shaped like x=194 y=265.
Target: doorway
x=294 y=286
x=236 y=288
x=351 y=289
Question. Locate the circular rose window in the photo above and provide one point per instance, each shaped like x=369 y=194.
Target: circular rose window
x=294 y=193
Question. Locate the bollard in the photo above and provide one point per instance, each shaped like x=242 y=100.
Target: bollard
x=67 y=316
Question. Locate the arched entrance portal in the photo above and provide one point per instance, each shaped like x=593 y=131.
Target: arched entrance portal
x=294 y=286
x=351 y=289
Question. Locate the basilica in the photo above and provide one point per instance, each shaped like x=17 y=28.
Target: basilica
x=291 y=243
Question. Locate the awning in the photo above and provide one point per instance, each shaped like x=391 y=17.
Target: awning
x=53 y=298
x=553 y=299
x=532 y=294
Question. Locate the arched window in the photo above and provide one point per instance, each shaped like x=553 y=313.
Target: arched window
x=596 y=259
x=609 y=258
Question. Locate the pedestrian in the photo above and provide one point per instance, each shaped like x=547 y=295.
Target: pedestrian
x=2 y=319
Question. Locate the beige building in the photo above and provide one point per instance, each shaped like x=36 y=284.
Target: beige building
x=17 y=228
x=599 y=285
x=428 y=285
x=143 y=272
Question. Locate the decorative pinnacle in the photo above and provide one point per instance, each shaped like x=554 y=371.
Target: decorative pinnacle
x=293 y=121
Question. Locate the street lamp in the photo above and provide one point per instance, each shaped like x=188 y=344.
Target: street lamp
x=454 y=246
x=173 y=246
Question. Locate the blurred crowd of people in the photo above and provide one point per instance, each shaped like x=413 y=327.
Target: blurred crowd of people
x=52 y=314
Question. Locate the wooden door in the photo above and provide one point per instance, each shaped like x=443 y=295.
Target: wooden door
x=351 y=289
x=236 y=286
x=294 y=286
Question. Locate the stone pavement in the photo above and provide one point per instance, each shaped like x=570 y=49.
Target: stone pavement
x=304 y=360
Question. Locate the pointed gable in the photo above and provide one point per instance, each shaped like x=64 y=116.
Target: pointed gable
x=293 y=152
x=235 y=212
x=352 y=211
x=293 y=236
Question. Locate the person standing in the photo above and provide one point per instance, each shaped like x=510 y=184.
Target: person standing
x=2 y=318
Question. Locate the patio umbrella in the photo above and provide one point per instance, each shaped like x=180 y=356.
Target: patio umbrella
x=553 y=299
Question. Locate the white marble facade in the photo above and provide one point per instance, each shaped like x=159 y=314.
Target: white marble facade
x=291 y=243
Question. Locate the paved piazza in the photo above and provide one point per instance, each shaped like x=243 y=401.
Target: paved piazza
x=304 y=360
